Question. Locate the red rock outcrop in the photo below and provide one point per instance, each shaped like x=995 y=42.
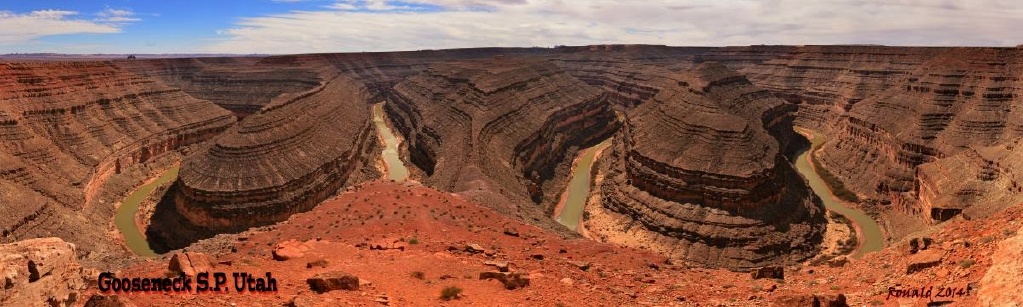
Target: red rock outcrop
x=1000 y=285
x=701 y=164
x=282 y=160
x=40 y=272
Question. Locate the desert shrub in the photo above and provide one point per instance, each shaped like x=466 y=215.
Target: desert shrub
x=966 y=264
x=320 y=263
x=419 y=275
x=450 y=293
x=413 y=240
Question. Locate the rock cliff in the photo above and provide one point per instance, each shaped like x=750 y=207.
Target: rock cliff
x=702 y=166
x=241 y=85
x=67 y=128
x=497 y=129
x=283 y=159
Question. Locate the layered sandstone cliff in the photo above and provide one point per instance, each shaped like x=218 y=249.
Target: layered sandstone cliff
x=282 y=160
x=497 y=129
x=67 y=128
x=702 y=166
x=240 y=85
x=955 y=104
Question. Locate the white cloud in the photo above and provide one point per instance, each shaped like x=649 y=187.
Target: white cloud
x=22 y=28
x=378 y=25
x=116 y=16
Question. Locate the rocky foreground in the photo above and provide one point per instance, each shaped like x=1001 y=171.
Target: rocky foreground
x=397 y=244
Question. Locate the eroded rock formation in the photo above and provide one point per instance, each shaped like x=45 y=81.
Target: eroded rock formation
x=241 y=85
x=957 y=105
x=496 y=129
x=702 y=165
x=282 y=160
x=40 y=272
x=66 y=128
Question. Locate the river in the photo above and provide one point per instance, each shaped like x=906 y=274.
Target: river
x=396 y=169
x=578 y=189
x=125 y=217
x=872 y=239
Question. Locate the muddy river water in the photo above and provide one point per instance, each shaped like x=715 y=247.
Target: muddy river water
x=395 y=167
x=125 y=217
x=871 y=237
x=578 y=189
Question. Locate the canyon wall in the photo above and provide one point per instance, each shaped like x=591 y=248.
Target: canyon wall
x=497 y=129
x=66 y=128
x=701 y=166
x=284 y=159
x=954 y=104
x=240 y=85
x=895 y=114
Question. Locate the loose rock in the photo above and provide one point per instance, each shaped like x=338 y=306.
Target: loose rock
x=334 y=280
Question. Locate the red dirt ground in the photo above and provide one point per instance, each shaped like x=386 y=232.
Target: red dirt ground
x=383 y=210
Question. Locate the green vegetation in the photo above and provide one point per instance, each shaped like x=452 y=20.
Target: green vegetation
x=450 y=293
x=413 y=240
x=966 y=264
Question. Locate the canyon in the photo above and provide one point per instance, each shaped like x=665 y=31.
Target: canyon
x=700 y=166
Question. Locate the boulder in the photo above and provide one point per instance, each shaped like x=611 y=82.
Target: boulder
x=775 y=272
x=388 y=244
x=492 y=275
x=919 y=244
x=838 y=262
x=810 y=300
x=511 y=232
x=923 y=260
x=334 y=280
x=582 y=265
x=502 y=266
x=515 y=280
x=1001 y=283
x=190 y=263
x=511 y=281
x=474 y=248
x=38 y=271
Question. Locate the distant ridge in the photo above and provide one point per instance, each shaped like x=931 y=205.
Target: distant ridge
x=109 y=56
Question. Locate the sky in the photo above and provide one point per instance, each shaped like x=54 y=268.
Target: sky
x=307 y=26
